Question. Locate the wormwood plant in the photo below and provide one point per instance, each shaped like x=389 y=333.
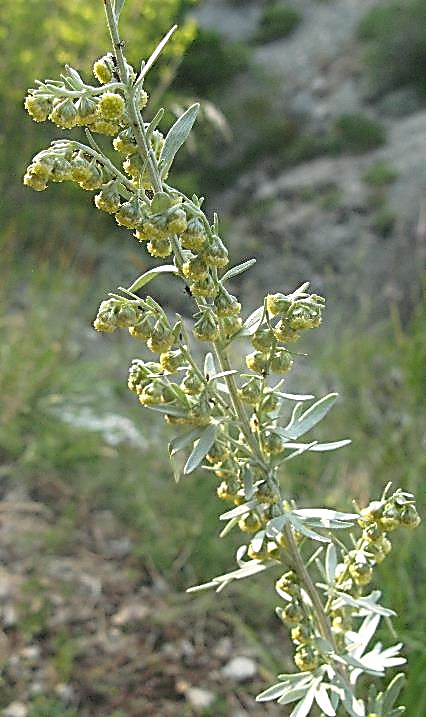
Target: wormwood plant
x=236 y=422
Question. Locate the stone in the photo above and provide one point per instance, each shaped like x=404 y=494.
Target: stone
x=239 y=668
x=133 y=612
x=199 y=697
x=15 y=709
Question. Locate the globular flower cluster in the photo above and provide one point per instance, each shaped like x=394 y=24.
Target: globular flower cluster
x=63 y=164
x=230 y=419
x=352 y=574
x=71 y=103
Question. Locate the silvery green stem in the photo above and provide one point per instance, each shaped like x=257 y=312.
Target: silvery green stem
x=221 y=353
x=134 y=113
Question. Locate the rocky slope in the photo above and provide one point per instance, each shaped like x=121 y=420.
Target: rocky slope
x=323 y=220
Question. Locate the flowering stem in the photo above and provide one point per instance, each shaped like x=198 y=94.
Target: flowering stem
x=134 y=113
x=146 y=153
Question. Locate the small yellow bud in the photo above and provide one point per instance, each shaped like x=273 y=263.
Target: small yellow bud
x=281 y=361
x=64 y=114
x=102 y=69
x=257 y=361
x=38 y=107
x=159 y=248
x=111 y=106
x=306 y=658
x=104 y=126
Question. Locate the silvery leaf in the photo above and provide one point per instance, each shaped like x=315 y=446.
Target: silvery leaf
x=185 y=439
x=149 y=275
x=331 y=562
x=392 y=691
x=239 y=510
x=176 y=136
x=366 y=604
x=323 y=701
x=209 y=366
x=296 y=396
x=252 y=323
x=272 y=693
x=239 y=269
x=303 y=708
x=201 y=448
x=311 y=417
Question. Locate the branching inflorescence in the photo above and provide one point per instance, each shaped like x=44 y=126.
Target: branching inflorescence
x=231 y=418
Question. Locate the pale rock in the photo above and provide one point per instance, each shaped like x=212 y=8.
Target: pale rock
x=199 y=697
x=133 y=612
x=15 y=709
x=239 y=668
x=65 y=692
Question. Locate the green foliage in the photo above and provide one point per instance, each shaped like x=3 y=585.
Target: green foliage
x=396 y=36
x=75 y=33
x=380 y=174
x=383 y=221
x=209 y=63
x=278 y=20
x=49 y=707
x=64 y=655
x=240 y=427
x=358 y=133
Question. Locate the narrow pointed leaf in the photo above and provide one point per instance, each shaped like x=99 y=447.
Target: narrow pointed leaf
x=362 y=603
x=169 y=410
x=228 y=527
x=177 y=469
x=238 y=511
x=209 y=366
x=296 y=396
x=151 y=274
x=239 y=269
x=305 y=447
x=331 y=562
x=176 y=136
x=323 y=701
x=253 y=321
x=325 y=514
x=392 y=692
x=311 y=417
x=201 y=447
x=334 y=445
x=222 y=373
x=303 y=708
x=301 y=528
x=154 y=122
x=247 y=482
x=157 y=52
x=292 y=694
x=185 y=439
x=272 y=693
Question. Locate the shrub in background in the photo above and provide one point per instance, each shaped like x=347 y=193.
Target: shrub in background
x=396 y=34
x=277 y=21
x=235 y=421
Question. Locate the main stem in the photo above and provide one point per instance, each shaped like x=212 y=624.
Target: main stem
x=145 y=152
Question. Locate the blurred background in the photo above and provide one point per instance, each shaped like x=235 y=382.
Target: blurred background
x=311 y=146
